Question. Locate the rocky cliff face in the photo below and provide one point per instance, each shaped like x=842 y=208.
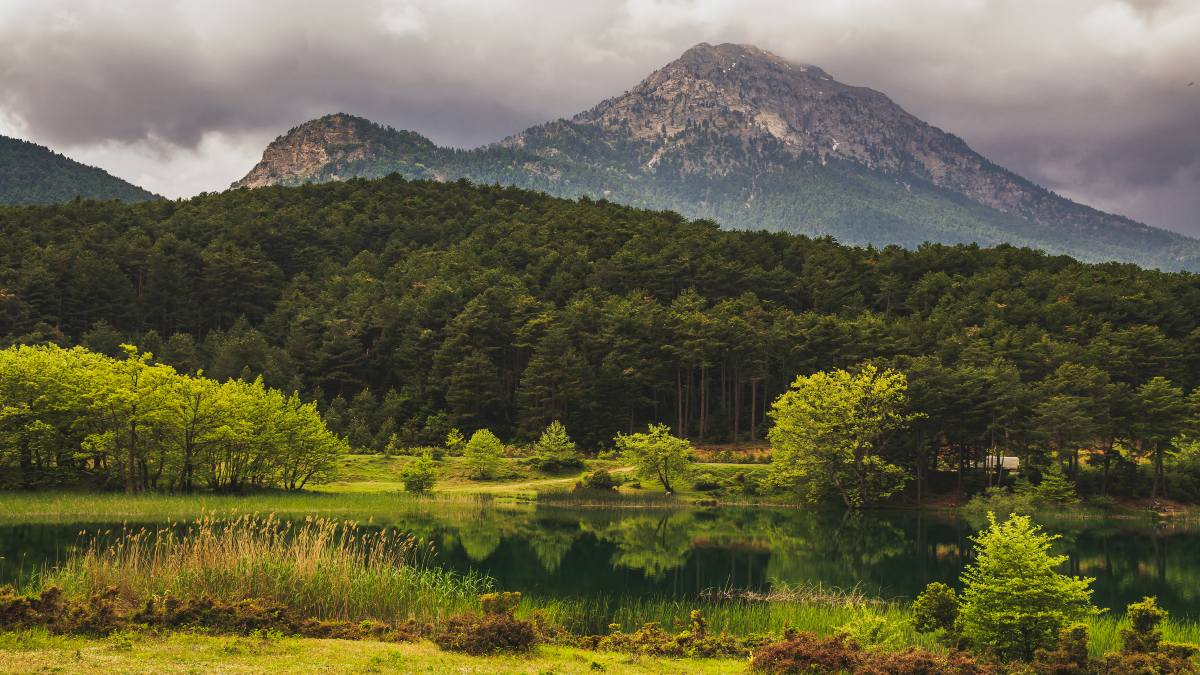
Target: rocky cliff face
x=316 y=149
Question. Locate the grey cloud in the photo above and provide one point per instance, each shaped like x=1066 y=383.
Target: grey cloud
x=1088 y=98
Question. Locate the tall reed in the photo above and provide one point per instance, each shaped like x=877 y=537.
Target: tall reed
x=318 y=567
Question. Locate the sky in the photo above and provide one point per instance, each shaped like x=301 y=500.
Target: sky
x=1089 y=98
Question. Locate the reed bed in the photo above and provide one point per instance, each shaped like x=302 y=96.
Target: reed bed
x=317 y=567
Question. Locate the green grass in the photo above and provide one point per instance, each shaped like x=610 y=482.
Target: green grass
x=38 y=651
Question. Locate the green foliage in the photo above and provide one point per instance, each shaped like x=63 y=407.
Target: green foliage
x=32 y=174
x=600 y=479
x=407 y=308
x=131 y=422
x=1054 y=489
x=829 y=429
x=694 y=641
x=657 y=455
x=936 y=609
x=483 y=454
x=1014 y=601
x=1143 y=649
x=1143 y=634
x=555 y=451
x=873 y=631
x=1070 y=656
x=456 y=443
x=420 y=475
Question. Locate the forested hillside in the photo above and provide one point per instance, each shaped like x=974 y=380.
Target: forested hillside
x=405 y=307
x=32 y=174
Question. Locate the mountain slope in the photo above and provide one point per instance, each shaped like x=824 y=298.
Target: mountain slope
x=736 y=134
x=32 y=174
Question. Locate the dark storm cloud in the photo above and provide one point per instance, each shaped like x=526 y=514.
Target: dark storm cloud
x=1088 y=98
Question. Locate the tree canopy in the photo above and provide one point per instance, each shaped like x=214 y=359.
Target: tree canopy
x=74 y=416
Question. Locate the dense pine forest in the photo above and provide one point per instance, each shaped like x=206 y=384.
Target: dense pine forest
x=405 y=308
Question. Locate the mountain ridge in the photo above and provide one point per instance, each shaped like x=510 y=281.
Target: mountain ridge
x=34 y=174
x=739 y=135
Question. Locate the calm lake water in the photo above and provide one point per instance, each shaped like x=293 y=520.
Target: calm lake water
x=560 y=552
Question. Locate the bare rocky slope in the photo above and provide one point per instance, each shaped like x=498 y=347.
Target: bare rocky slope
x=739 y=135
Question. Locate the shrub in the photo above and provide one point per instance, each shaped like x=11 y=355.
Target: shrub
x=1143 y=635
x=419 y=476
x=483 y=452
x=99 y=614
x=1143 y=649
x=499 y=603
x=455 y=443
x=1054 y=489
x=873 y=631
x=496 y=630
x=695 y=641
x=555 y=451
x=600 y=479
x=936 y=609
x=1014 y=599
x=1071 y=655
x=706 y=482
x=808 y=654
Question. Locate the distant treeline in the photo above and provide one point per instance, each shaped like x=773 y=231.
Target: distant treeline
x=404 y=308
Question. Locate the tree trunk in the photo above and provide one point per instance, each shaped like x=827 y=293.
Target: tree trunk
x=753 y=407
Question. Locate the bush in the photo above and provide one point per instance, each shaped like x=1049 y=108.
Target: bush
x=1071 y=655
x=554 y=450
x=706 y=482
x=1054 y=489
x=419 y=476
x=936 y=609
x=808 y=654
x=483 y=453
x=455 y=443
x=873 y=631
x=479 y=634
x=695 y=641
x=1014 y=600
x=496 y=630
x=1143 y=649
x=101 y=614
x=600 y=479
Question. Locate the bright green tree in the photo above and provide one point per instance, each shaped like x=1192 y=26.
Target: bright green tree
x=483 y=454
x=657 y=455
x=455 y=443
x=554 y=449
x=419 y=476
x=1014 y=600
x=828 y=430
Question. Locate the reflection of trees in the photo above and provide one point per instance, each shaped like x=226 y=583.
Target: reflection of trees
x=838 y=549
x=653 y=544
x=551 y=544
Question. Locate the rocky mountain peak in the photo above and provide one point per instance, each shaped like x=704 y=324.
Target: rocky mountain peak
x=339 y=139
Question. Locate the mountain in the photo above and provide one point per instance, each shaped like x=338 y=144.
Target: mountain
x=33 y=174
x=741 y=136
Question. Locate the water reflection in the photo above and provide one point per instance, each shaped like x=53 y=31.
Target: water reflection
x=655 y=552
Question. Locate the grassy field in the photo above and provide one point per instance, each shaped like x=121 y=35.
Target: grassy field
x=38 y=651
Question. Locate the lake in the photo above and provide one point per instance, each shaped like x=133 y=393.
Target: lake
x=556 y=552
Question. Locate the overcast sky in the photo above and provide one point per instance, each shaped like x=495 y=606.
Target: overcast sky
x=1090 y=98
